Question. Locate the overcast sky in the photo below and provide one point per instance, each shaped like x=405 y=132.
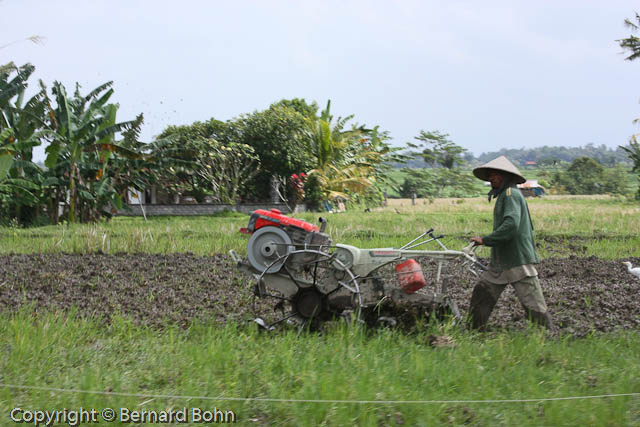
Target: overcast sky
x=492 y=74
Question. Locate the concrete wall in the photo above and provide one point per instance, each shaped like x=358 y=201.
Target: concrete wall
x=203 y=209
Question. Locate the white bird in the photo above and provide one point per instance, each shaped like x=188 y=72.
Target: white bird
x=635 y=271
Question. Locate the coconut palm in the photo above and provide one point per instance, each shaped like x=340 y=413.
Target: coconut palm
x=632 y=43
x=345 y=159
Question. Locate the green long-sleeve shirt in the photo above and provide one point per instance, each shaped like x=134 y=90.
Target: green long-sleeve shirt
x=511 y=241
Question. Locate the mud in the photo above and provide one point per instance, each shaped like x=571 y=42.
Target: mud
x=584 y=294
x=150 y=289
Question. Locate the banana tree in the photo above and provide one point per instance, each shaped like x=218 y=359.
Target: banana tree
x=23 y=118
x=15 y=192
x=19 y=123
x=82 y=136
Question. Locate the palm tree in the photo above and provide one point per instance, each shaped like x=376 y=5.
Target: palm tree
x=345 y=159
x=631 y=43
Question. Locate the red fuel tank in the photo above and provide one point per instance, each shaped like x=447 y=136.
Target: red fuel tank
x=410 y=277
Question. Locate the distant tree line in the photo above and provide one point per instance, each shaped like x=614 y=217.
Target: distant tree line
x=442 y=168
x=586 y=176
x=543 y=156
x=546 y=155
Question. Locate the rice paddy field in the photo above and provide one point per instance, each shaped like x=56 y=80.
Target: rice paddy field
x=152 y=319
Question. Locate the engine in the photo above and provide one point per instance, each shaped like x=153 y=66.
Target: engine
x=273 y=236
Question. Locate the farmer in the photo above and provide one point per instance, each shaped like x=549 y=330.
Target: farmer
x=513 y=251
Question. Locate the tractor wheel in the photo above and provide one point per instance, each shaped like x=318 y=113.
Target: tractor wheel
x=309 y=288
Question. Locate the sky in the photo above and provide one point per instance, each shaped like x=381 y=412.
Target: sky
x=491 y=74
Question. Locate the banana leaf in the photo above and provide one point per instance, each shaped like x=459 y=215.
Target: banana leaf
x=6 y=160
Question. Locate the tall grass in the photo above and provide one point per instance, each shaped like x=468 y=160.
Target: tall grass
x=346 y=363
x=608 y=227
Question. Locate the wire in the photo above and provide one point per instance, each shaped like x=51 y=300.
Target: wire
x=349 y=401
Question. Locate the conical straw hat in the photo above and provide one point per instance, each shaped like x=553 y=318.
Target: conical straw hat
x=500 y=164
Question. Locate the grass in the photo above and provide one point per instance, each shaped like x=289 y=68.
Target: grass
x=347 y=363
x=607 y=227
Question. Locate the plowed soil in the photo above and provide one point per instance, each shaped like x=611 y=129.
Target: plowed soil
x=584 y=294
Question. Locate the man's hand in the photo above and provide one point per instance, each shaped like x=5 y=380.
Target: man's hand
x=477 y=240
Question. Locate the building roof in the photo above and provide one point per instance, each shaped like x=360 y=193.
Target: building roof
x=531 y=183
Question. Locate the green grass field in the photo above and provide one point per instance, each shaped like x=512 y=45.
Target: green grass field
x=608 y=227
x=347 y=375
x=394 y=377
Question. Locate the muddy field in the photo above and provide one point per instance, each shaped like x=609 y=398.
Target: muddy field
x=583 y=294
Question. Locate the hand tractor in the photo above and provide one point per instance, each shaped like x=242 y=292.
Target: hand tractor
x=302 y=278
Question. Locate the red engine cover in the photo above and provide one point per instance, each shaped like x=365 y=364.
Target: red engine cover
x=262 y=218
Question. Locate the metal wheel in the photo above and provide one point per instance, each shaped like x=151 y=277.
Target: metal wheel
x=267 y=249
x=309 y=288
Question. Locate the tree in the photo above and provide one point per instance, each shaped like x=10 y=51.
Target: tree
x=274 y=145
x=634 y=154
x=300 y=105
x=614 y=180
x=632 y=45
x=81 y=137
x=418 y=182
x=345 y=160
x=383 y=155
x=583 y=176
x=442 y=151
x=86 y=168
x=586 y=176
x=228 y=168
x=177 y=152
x=445 y=159
x=19 y=121
x=16 y=193
x=281 y=139
x=206 y=158
x=546 y=155
x=135 y=171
